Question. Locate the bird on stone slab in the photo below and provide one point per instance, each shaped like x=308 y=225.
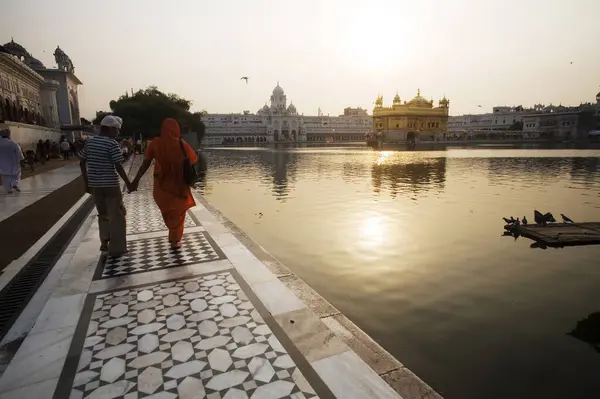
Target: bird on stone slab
x=566 y=219
x=244 y=78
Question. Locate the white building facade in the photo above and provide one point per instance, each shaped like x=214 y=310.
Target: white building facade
x=501 y=118
x=537 y=122
x=278 y=122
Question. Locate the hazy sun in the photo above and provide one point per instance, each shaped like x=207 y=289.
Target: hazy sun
x=373 y=38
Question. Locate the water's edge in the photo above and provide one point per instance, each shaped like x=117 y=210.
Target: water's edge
x=401 y=379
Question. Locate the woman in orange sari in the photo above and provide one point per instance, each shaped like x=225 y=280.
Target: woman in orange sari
x=171 y=193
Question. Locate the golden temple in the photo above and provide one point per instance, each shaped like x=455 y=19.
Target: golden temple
x=405 y=121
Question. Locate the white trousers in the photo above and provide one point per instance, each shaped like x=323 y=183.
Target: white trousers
x=10 y=181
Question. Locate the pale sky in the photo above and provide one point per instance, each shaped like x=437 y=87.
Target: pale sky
x=328 y=53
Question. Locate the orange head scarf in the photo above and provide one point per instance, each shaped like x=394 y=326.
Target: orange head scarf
x=167 y=150
x=170 y=190
x=170 y=129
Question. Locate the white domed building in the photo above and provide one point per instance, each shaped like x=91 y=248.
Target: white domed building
x=280 y=122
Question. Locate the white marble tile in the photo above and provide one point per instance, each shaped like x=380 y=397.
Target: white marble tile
x=159 y=275
x=35 y=188
x=276 y=297
x=15 y=266
x=348 y=377
x=166 y=336
x=39 y=390
x=59 y=313
x=252 y=270
x=202 y=214
x=215 y=228
x=41 y=357
x=225 y=240
x=29 y=316
x=115 y=283
x=161 y=233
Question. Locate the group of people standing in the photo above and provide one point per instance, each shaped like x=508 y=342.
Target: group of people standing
x=101 y=166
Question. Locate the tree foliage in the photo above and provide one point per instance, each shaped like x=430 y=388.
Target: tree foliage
x=144 y=111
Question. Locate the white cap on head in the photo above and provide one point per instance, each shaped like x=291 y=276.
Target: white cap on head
x=112 y=121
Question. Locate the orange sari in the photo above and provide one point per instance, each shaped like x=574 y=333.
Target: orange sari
x=171 y=193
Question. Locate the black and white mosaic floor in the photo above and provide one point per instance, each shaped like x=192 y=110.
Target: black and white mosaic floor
x=194 y=338
x=147 y=181
x=143 y=216
x=155 y=253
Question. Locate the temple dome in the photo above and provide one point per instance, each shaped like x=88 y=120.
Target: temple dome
x=277 y=91
x=419 y=101
x=292 y=109
x=16 y=49
x=598 y=97
x=34 y=63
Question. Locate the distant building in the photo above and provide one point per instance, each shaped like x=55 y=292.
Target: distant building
x=541 y=121
x=355 y=112
x=501 y=118
x=278 y=122
x=412 y=120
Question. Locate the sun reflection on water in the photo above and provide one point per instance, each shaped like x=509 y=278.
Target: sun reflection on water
x=373 y=231
x=382 y=157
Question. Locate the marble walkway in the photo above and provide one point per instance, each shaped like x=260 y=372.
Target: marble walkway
x=207 y=321
x=36 y=187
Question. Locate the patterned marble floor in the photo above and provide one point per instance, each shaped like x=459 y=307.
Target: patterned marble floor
x=143 y=216
x=193 y=338
x=155 y=253
x=147 y=181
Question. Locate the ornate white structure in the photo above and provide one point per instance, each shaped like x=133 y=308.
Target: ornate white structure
x=279 y=122
x=32 y=94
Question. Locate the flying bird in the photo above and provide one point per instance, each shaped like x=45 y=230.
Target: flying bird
x=571 y=62
x=479 y=106
x=244 y=78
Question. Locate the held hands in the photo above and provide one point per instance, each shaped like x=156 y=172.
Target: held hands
x=133 y=186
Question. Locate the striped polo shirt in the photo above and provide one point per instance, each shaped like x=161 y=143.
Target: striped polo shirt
x=101 y=153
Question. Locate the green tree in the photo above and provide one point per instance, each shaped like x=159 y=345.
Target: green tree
x=144 y=111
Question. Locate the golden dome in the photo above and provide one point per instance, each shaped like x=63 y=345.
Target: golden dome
x=419 y=101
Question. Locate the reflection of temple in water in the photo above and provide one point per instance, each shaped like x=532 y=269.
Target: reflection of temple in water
x=540 y=169
x=418 y=177
x=585 y=170
x=280 y=167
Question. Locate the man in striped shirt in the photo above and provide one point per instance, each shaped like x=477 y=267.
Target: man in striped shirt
x=101 y=159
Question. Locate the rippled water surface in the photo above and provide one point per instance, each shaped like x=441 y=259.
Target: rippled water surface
x=408 y=245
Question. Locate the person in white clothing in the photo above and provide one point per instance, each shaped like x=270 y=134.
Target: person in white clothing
x=65 y=148
x=10 y=162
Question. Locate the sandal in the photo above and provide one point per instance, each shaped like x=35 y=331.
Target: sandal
x=175 y=245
